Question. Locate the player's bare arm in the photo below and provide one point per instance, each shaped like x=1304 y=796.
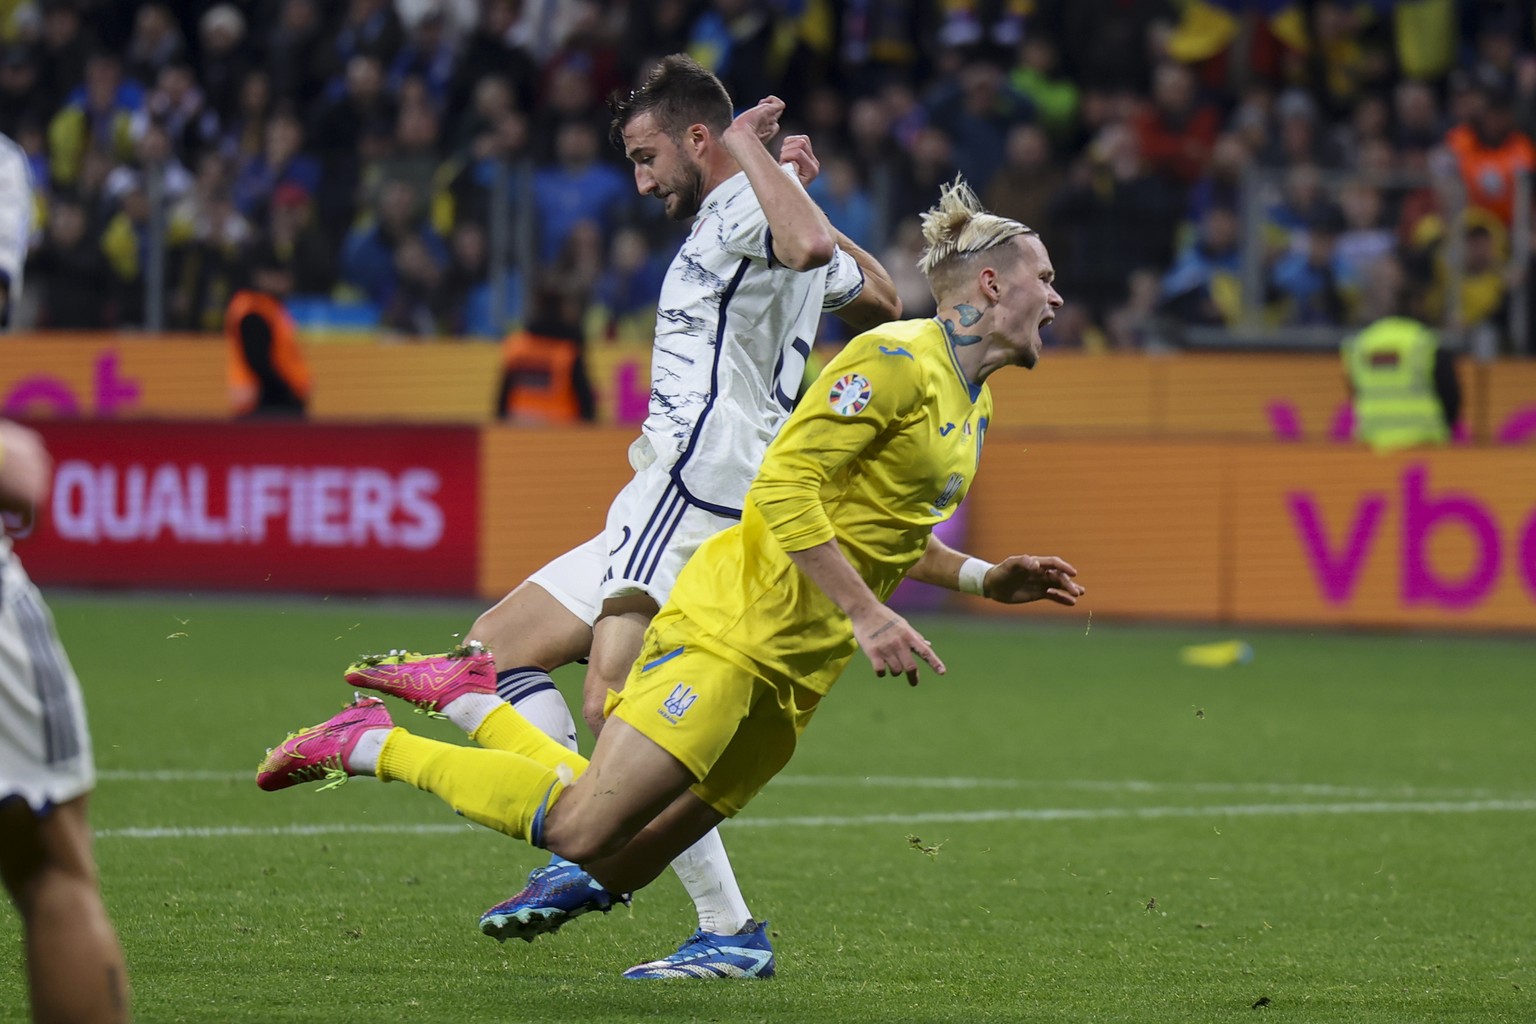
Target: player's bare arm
x=24 y=466
x=887 y=639
x=878 y=302
x=1017 y=579
x=803 y=238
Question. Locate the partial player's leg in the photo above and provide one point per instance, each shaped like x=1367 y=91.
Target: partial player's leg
x=512 y=648
x=74 y=964
x=644 y=579
x=512 y=788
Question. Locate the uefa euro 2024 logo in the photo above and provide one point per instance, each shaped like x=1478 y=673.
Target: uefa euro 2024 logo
x=678 y=703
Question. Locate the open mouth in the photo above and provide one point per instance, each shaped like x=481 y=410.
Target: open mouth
x=1045 y=321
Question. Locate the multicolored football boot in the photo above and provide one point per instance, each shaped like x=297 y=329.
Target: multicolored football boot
x=555 y=893
x=320 y=752
x=708 y=955
x=430 y=681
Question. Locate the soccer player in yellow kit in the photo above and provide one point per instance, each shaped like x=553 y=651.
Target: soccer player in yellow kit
x=768 y=613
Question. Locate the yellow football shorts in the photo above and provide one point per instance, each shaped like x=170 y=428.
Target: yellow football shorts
x=732 y=727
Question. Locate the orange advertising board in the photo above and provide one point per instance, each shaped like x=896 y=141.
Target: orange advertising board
x=1442 y=539
x=1249 y=532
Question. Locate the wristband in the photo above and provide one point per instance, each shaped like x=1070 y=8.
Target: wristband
x=973 y=575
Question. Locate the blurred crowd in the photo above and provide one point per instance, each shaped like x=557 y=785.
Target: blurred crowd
x=359 y=146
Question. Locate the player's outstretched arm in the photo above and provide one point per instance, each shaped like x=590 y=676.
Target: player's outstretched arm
x=1017 y=579
x=803 y=238
x=24 y=466
x=886 y=638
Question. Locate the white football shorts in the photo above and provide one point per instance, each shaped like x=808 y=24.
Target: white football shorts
x=651 y=533
x=45 y=747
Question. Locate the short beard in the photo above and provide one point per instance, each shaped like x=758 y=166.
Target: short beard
x=689 y=193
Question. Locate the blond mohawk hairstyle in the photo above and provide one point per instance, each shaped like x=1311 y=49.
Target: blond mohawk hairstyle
x=959 y=227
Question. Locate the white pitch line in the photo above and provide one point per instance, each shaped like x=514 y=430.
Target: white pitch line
x=921 y=818
x=960 y=783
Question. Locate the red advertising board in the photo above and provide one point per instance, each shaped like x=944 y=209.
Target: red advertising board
x=258 y=506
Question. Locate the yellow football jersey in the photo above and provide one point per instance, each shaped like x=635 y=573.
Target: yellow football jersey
x=881 y=449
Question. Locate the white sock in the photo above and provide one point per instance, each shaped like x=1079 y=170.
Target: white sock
x=705 y=872
x=550 y=715
x=529 y=689
x=364 y=759
x=470 y=709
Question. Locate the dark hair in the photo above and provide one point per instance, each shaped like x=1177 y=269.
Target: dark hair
x=678 y=93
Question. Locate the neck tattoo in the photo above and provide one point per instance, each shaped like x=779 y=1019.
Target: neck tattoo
x=968 y=316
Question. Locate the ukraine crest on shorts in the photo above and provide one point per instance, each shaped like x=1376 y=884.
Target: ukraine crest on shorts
x=850 y=394
x=677 y=703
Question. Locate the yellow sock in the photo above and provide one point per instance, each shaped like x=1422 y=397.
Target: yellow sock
x=497 y=788
x=505 y=729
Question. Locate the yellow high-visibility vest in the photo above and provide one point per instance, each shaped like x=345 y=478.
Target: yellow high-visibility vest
x=1392 y=366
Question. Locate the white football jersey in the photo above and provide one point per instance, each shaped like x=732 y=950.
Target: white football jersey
x=733 y=331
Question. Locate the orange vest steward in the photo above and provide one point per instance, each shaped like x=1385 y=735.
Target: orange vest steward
x=287 y=358
x=1489 y=174
x=543 y=372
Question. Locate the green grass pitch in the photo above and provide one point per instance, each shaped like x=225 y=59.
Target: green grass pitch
x=1343 y=828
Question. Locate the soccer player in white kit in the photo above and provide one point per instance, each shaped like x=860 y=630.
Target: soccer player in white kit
x=75 y=966
x=738 y=314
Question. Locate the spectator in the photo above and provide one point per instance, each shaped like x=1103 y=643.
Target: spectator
x=70 y=271
x=1028 y=182
x=101 y=116
x=977 y=114
x=152 y=158
x=1113 y=218
x=1489 y=151
x=465 y=297
x=845 y=201
x=155 y=44
x=473 y=136
x=413 y=159
x=577 y=187
x=339 y=128
x=492 y=51
x=929 y=164
x=544 y=377
x=124 y=240
x=627 y=292
x=61 y=60
x=430 y=54
x=21 y=100
x=178 y=104
x=1204 y=286
x=267 y=373
x=413 y=306
x=297 y=55
x=295 y=243
x=1176 y=131
x=369 y=28
x=282 y=161
x=1366 y=237
x=901 y=257
x=1417 y=126
x=1222 y=182
x=1304 y=282
x=369 y=256
x=734 y=39
x=210 y=240
x=246 y=135
x=224 y=64
x=1038 y=77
